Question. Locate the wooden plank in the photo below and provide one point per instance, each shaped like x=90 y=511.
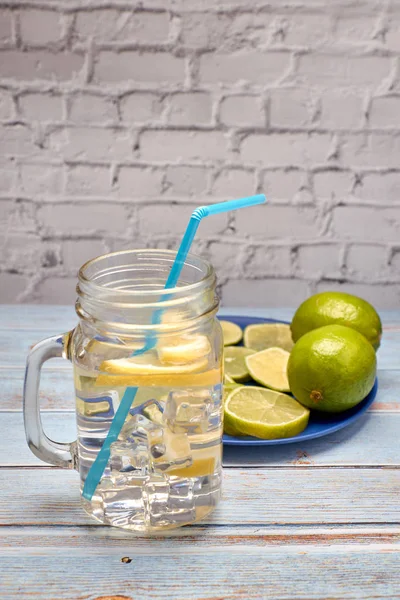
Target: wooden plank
x=34 y=316
x=15 y=346
x=34 y=539
x=57 y=393
x=371 y=441
x=218 y=573
x=250 y=497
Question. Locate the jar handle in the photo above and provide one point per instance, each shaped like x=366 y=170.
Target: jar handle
x=55 y=453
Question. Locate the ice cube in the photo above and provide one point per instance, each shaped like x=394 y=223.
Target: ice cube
x=188 y=412
x=123 y=506
x=166 y=504
x=174 y=452
x=128 y=457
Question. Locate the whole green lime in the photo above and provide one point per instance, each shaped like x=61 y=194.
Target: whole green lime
x=328 y=308
x=331 y=368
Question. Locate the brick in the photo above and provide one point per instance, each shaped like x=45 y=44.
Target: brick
x=125 y=66
x=341 y=109
x=318 y=260
x=285 y=184
x=265 y=293
x=6 y=106
x=7 y=177
x=21 y=251
x=122 y=26
x=11 y=286
x=294 y=149
x=367 y=262
x=256 y=68
x=41 y=107
x=88 y=180
x=333 y=184
x=234 y=183
x=6 y=27
x=39 y=27
x=40 y=179
x=190 y=109
x=56 y=290
x=380 y=296
x=224 y=31
x=17 y=216
x=16 y=140
x=269 y=222
x=82 y=218
x=185 y=145
x=173 y=219
x=76 y=252
x=355 y=30
x=59 y=66
x=88 y=108
x=186 y=181
x=366 y=224
x=242 y=111
x=392 y=37
x=305 y=30
x=374 y=150
x=225 y=257
x=90 y=143
x=267 y=261
x=139 y=182
x=341 y=71
x=385 y=112
x=382 y=188
x=140 y=107
x=291 y=107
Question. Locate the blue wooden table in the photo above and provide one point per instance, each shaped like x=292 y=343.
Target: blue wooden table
x=314 y=520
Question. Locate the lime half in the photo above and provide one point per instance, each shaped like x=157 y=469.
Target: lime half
x=267 y=335
x=232 y=333
x=264 y=414
x=235 y=364
x=269 y=367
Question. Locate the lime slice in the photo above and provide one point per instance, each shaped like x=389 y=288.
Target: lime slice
x=183 y=349
x=234 y=362
x=269 y=368
x=264 y=414
x=228 y=379
x=232 y=333
x=268 y=335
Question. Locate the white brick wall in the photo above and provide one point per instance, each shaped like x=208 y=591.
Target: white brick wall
x=117 y=118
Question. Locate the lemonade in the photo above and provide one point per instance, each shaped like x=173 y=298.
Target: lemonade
x=165 y=468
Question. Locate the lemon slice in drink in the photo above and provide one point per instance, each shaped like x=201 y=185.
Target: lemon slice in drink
x=269 y=367
x=232 y=333
x=183 y=349
x=145 y=370
x=267 y=335
x=264 y=414
x=234 y=362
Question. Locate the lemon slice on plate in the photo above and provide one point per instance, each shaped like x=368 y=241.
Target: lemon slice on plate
x=261 y=336
x=232 y=333
x=269 y=367
x=264 y=414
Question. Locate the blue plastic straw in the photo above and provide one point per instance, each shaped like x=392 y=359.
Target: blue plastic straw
x=97 y=469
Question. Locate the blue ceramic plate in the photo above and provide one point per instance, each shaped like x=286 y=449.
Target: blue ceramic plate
x=318 y=424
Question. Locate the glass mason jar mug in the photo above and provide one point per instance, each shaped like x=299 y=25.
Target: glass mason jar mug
x=159 y=354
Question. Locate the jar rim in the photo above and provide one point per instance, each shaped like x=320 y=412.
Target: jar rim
x=192 y=260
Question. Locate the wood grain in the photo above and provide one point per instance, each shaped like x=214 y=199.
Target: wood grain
x=250 y=497
x=345 y=447
x=218 y=573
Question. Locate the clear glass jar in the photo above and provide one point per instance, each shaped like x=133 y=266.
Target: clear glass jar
x=159 y=353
